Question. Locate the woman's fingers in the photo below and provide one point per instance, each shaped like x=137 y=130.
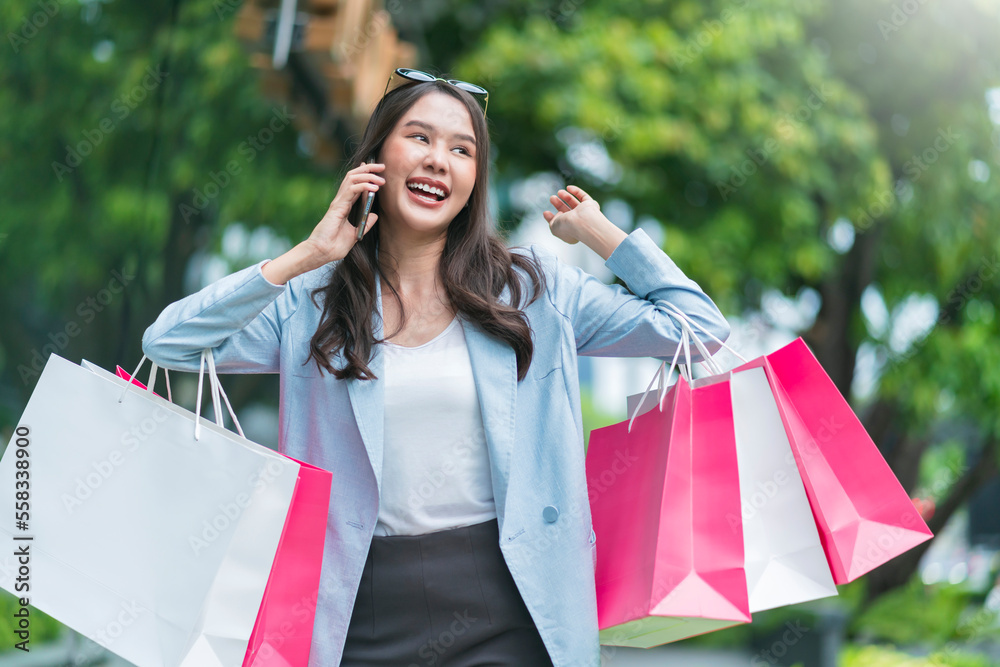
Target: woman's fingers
x=565 y=201
x=559 y=203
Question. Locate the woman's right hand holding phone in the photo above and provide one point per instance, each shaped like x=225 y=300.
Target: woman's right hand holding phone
x=334 y=235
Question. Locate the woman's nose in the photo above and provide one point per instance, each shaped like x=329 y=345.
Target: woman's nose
x=436 y=156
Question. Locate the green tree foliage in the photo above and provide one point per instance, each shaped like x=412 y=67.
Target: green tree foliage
x=129 y=132
x=749 y=129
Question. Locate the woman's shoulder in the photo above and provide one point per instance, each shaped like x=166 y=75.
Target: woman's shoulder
x=544 y=257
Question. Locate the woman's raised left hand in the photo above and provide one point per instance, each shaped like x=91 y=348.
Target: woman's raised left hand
x=576 y=214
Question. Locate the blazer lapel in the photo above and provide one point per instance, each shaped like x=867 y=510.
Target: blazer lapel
x=494 y=367
x=368 y=397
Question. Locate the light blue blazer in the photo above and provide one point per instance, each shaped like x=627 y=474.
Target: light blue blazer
x=533 y=428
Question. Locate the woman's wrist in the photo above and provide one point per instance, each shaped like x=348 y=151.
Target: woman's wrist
x=302 y=258
x=603 y=237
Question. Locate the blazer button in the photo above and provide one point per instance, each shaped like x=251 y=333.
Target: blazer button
x=550 y=513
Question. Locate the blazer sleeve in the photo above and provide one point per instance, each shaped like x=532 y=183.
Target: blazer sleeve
x=240 y=317
x=611 y=321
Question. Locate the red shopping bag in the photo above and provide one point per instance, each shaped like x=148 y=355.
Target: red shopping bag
x=668 y=564
x=283 y=632
x=864 y=516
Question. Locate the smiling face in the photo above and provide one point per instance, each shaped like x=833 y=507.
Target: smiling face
x=430 y=165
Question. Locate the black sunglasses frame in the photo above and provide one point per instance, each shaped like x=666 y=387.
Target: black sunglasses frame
x=419 y=76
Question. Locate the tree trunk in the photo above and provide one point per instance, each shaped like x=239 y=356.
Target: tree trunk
x=831 y=337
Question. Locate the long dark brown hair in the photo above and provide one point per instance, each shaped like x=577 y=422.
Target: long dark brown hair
x=475 y=265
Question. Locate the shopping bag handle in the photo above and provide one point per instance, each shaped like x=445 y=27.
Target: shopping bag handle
x=150 y=381
x=687 y=334
x=683 y=344
x=215 y=387
x=681 y=317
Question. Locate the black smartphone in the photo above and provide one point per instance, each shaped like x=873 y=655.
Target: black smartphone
x=362 y=207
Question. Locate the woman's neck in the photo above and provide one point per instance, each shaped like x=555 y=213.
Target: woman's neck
x=416 y=265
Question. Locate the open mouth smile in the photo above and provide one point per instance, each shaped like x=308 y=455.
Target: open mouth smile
x=426 y=191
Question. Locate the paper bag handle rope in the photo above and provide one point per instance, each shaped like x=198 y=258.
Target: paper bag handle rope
x=687 y=333
x=151 y=380
x=215 y=387
x=674 y=310
x=217 y=390
x=683 y=344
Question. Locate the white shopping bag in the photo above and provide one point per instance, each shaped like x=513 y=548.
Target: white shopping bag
x=784 y=559
x=154 y=544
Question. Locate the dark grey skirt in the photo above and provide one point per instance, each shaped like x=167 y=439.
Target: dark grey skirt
x=444 y=598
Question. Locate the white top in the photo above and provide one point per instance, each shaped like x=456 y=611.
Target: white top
x=435 y=465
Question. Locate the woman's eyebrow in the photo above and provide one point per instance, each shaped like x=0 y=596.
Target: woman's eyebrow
x=431 y=128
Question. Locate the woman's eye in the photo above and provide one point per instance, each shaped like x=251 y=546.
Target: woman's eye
x=424 y=137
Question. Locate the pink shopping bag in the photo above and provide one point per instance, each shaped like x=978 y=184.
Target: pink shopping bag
x=283 y=632
x=864 y=516
x=124 y=374
x=668 y=564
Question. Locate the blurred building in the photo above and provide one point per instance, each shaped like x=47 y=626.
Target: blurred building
x=327 y=59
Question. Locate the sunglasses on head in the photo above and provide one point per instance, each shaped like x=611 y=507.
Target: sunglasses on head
x=405 y=75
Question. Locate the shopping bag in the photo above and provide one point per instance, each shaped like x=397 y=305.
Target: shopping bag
x=154 y=544
x=784 y=559
x=783 y=556
x=282 y=634
x=668 y=566
x=865 y=517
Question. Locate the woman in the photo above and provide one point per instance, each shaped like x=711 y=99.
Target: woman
x=459 y=530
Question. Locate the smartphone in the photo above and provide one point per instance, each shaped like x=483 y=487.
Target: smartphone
x=362 y=207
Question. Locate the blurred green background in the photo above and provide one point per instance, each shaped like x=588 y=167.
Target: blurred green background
x=824 y=169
